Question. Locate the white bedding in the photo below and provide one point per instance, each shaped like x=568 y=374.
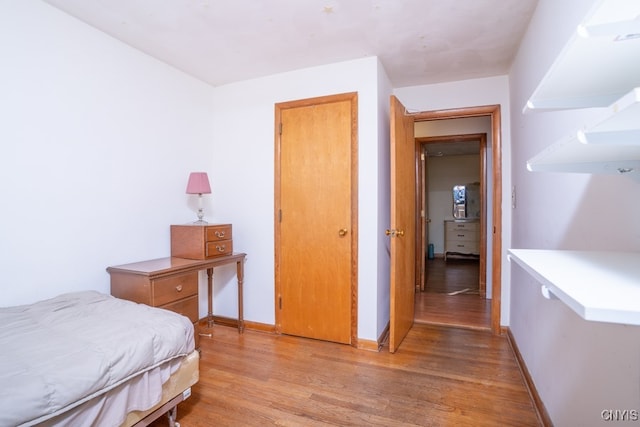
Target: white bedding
x=59 y=353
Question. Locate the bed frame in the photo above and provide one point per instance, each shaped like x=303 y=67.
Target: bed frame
x=174 y=391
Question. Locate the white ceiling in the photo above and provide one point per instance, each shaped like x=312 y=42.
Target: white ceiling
x=220 y=42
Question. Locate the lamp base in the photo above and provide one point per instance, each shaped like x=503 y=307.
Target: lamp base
x=200 y=222
x=200 y=213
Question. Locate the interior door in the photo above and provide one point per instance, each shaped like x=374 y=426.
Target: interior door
x=314 y=218
x=403 y=224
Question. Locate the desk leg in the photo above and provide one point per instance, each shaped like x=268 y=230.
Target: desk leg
x=240 y=275
x=210 y=291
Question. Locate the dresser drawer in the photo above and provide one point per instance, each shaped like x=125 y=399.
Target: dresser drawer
x=201 y=241
x=461 y=235
x=222 y=247
x=461 y=226
x=215 y=233
x=188 y=307
x=170 y=289
x=463 y=247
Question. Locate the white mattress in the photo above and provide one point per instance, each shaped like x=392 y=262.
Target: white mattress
x=59 y=353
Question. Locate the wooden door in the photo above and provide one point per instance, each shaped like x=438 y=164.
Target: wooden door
x=403 y=224
x=315 y=218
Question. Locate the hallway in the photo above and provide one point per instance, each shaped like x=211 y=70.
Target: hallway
x=451 y=296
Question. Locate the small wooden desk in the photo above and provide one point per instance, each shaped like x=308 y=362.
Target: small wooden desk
x=138 y=281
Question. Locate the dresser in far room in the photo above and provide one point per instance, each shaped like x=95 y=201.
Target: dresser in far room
x=461 y=238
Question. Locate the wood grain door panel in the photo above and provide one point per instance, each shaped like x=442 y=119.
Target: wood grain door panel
x=314 y=224
x=403 y=219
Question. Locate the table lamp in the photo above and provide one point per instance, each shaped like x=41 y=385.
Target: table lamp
x=199 y=184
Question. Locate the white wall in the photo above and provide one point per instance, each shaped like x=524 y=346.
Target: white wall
x=243 y=181
x=383 y=202
x=97 y=143
x=473 y=93
x=579 y=368
x=442 y=174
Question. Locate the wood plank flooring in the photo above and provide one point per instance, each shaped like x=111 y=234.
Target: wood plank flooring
x=438 y=377
x=435 y=306
x=453 y=275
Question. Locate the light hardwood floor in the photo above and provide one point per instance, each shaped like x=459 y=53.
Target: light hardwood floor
x=436 y=306
x=439 y=377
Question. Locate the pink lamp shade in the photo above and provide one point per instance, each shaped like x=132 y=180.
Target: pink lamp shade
x=198 y=183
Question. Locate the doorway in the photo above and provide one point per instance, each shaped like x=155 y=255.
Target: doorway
x=452 y=270
x=489 y=315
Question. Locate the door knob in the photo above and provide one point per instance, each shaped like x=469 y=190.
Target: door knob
x=342 y=232
x=394 y=233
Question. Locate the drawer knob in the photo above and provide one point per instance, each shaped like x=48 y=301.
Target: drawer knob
x=221 y=248
x=219 y=234
x=179 y=288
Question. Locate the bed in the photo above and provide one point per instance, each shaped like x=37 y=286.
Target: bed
x=86 y=358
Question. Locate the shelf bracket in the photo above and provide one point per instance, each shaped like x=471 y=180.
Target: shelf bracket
x=547 y=293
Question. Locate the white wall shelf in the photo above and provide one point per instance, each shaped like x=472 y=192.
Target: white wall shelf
x=610 y=146
x=598 y=68
x=598 y=286
x=599 y=64
x=619 y=125
x=569 y=155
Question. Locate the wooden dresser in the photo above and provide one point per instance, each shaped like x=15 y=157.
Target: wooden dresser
x=198 y=241
x=462 y=238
